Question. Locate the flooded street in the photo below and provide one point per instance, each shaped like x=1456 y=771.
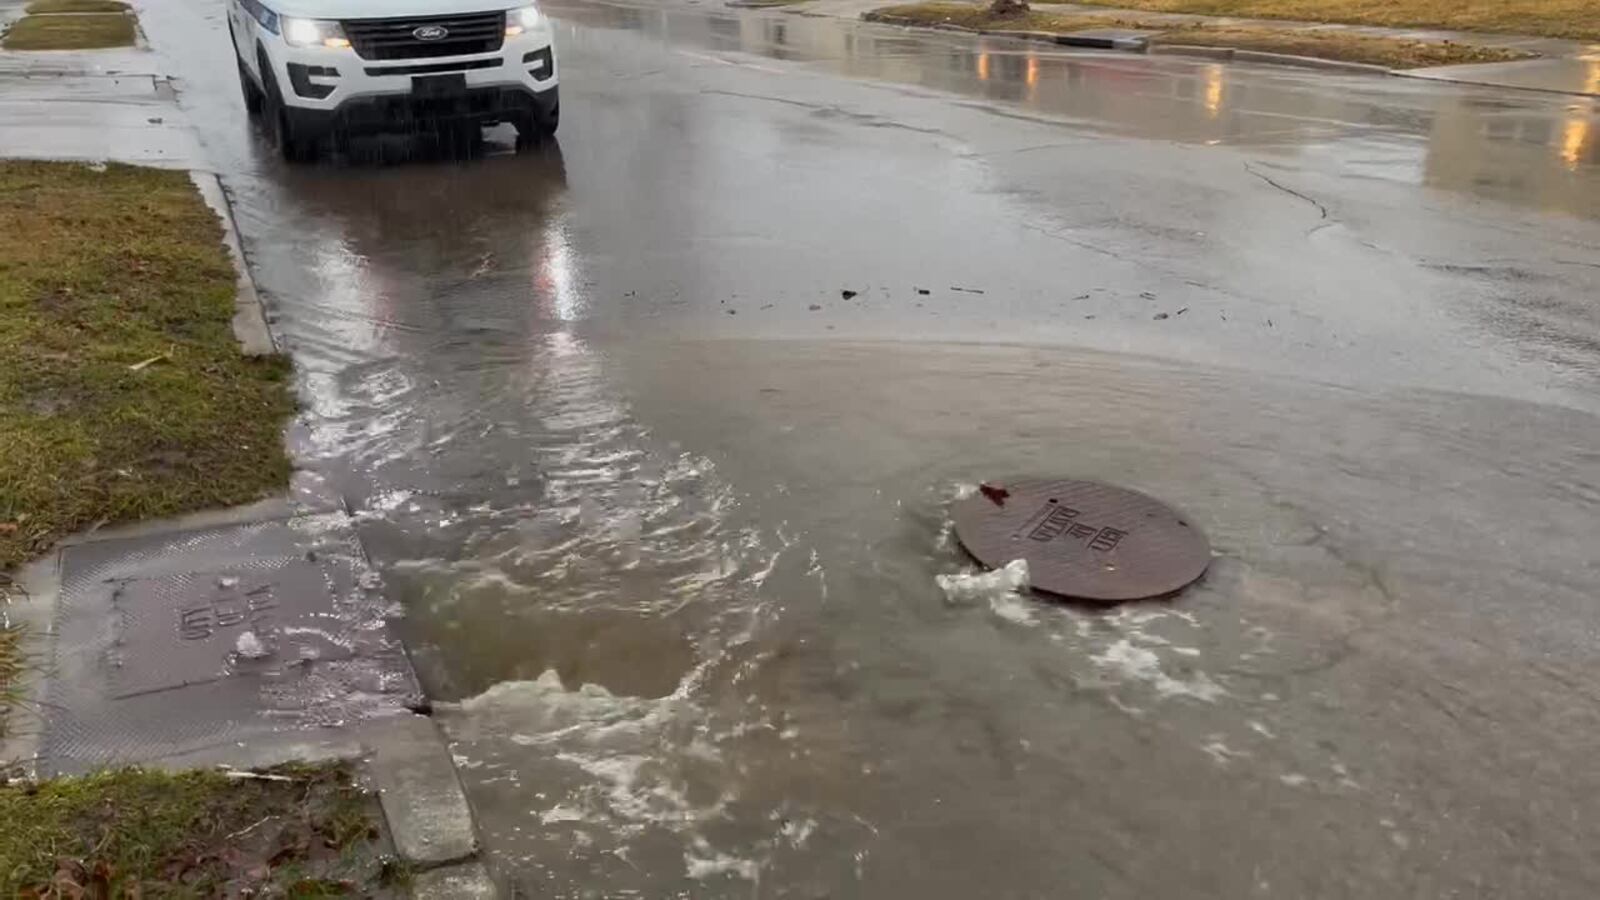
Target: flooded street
x=665 y=508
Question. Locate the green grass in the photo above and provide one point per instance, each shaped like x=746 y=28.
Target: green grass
x=1576 y=19
x=133 y=833
x=1392 y=52
x=101 y=271
x=76 y=6
x=12 y=665
x=87 y=32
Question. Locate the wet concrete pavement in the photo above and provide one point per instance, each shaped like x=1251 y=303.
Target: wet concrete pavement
x=99 y=105
x=665 y=509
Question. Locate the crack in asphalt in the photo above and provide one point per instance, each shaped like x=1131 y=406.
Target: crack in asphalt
x=1287 y=190
x=869 y=121
x=1029 y=226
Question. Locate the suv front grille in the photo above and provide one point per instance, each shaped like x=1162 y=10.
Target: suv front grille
x=396 y=38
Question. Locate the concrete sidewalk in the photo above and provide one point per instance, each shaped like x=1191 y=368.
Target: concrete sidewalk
x=96 y=105
x=1562 y=66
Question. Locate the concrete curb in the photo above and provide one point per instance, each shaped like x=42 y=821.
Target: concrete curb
x=1142 y=45
x=467 y=880
x=1044 y=37
x=1308 y=62
x=1104 y=42
x=1441 y=79
x=249 y=315
x=1222 y=54
x=1225 y=54
x=421 y=794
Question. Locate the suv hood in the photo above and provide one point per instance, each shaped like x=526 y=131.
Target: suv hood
x=386 y=9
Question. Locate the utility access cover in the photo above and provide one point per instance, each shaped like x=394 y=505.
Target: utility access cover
x=1083 y=540
x=185 y=628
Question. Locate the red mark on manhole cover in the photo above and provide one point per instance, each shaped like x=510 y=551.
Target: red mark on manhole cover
x=1084 y=540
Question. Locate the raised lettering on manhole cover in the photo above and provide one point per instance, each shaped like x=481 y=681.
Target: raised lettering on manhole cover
x=185 y=628
x=1082 y=539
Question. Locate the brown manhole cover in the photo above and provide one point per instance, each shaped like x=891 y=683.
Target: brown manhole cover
x=1083 y=540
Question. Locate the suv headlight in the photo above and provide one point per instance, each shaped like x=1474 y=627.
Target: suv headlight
x=522 y=19
x=313 y=33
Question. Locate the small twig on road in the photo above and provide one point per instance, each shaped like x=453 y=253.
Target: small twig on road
x=145 y=364
x=249 y=828
x=259 y=776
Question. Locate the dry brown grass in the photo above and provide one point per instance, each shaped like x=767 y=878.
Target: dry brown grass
x=970 y=15
x=122 y=389
x=85 y=32
x=1576 y=19
x=76 y=6
x=1390 y=52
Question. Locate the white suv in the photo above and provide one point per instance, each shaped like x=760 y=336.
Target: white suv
x=316 y=67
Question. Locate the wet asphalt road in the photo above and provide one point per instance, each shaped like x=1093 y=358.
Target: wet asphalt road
x=665 y=509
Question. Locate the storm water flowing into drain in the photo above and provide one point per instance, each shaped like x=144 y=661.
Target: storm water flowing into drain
x=576 y=621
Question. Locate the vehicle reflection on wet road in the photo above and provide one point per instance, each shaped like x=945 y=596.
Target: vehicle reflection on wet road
x=665 y=508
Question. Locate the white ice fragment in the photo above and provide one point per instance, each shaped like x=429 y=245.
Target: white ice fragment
x=250 y=647
x=1002 y=588
x=560 y=813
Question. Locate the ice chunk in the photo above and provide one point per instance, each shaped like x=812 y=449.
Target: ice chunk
x=250 y=647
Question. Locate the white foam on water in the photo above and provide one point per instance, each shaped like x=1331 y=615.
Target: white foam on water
x=1003 y=589
x=1135 y=663
x=798 y=831
x=611 y=748
x=633 y=794
x=387 y=502
x=704 y=862
x=1220 y=752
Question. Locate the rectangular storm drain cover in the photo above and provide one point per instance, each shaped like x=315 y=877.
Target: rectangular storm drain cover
x=198 y=627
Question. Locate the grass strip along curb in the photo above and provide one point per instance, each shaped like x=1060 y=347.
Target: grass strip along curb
x=1571 y=19
x=297 y=830
x=72 y=25
x=123 y=389
x=1383 y=52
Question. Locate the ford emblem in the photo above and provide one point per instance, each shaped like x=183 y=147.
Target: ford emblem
x=430 y=33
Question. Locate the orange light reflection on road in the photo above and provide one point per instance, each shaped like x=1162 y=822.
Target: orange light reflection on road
x=1573 y=140
x=983 y=67
x=1033 y=71
x=1213 y=90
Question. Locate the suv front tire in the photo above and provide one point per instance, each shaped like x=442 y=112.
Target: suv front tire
x=275 y=118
